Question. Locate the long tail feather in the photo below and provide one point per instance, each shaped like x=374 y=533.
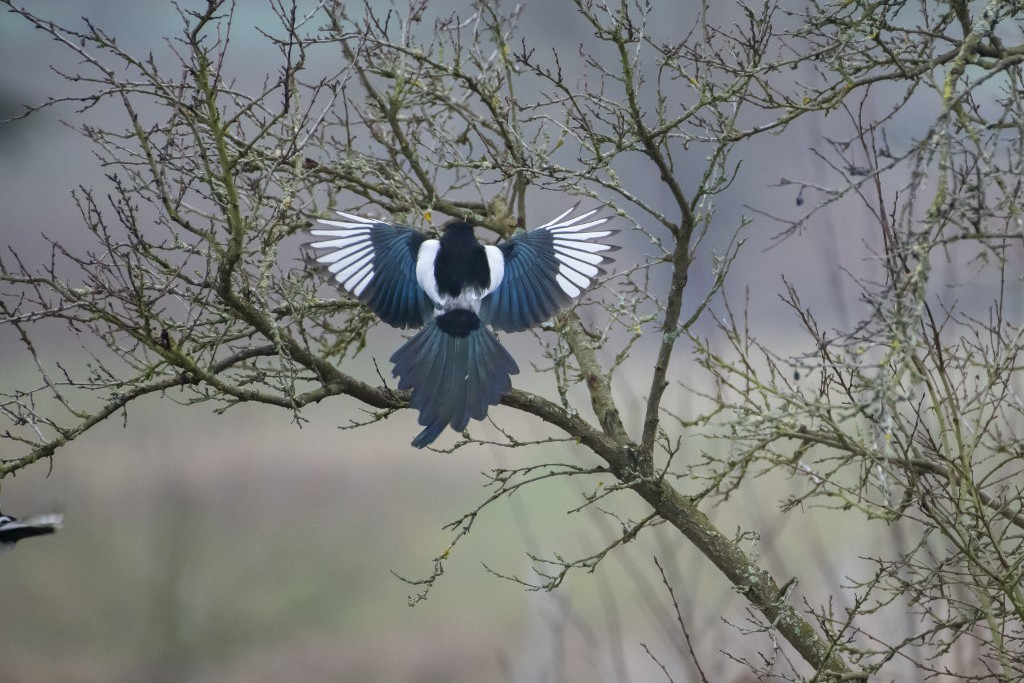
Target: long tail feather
x=453 y=377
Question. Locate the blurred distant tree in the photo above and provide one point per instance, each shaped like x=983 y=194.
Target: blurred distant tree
x=910 y=418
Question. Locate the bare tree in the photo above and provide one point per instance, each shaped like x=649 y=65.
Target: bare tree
x=910 y=416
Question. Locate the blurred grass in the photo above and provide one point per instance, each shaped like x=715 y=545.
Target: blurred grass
x=204 y=541
x=241 y=548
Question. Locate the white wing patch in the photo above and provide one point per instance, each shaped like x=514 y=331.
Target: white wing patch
x=495 y=266
x=55 y=520
x=578 y=257
x=348 y=253
x=425 y=258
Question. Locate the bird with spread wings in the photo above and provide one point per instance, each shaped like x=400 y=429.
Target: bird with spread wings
x=454 y=288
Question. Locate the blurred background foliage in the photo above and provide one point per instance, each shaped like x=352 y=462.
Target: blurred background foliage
x=239 y=547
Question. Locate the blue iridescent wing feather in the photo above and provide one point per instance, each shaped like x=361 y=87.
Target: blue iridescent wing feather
x=545 y=269
x=376 y=263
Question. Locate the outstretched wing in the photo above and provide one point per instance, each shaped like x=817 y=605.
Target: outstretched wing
x=545 y=269
x=376 y=263
x=13 y=530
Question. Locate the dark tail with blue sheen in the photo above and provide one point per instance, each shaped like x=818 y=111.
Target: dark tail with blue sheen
x=456 y=369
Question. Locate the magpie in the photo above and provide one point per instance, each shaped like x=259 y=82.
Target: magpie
x=12 y=530
x=454 y=288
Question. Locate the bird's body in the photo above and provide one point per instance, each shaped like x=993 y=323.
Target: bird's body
x=455 y=287
x=461 y=266
x=13 y=530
